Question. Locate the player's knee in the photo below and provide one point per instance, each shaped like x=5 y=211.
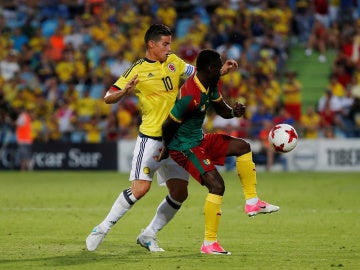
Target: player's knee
x=243 y=148
x=238 y=147
x=217 y=188
x=246 y=147
x=178 y=189
x=214 y=183
x=179 y=195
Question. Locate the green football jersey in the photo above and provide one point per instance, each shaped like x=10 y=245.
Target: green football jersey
x=190 y=110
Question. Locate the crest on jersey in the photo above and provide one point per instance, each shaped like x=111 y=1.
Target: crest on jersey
x=206 y=161
x=171 y=67
x=146 y=170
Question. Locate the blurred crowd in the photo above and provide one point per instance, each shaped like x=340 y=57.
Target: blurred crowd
x=57 y=59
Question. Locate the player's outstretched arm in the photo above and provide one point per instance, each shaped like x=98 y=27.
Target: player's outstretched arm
x=227 y=112
x=229 y=65
x=113 y=95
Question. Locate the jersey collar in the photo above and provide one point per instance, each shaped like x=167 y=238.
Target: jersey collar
x=199 y=84
x=149 y=61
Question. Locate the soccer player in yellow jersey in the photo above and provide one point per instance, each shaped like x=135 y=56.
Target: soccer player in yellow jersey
x=155 y=80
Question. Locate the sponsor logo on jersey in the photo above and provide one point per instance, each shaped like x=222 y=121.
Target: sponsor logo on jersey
x=150 y=75
x=171 y=67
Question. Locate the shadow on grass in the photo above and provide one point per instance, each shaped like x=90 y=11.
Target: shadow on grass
x=85 y=257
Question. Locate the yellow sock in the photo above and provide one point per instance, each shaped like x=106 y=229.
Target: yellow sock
x=247 y=173
x=212 y=210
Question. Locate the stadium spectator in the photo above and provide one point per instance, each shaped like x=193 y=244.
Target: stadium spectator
x=56 y=44
x=74 y=38
x=229 y=50
x=347 y=11
x=303 y=19
x=343 y=70
x=354 y=116
x=310 y=123
x=65 y=116
x=258 y=119
x=188 y=50
x=321 y=11
x=329 y=99
x=216 y=36
x=24 y=138
x=111 y=131
x=283 y=117
x=269 y=95
x=347 y=102
x=335 y=86
x=7 y=114
x=166 y=13
x=231 y=85
x=225 y=14
x=329 y=108
x=258 y=27
x=333 y=36
x=265 y=65
x=334 y=11
x=52 y=131
x=44 y=68
x=93 y=130
x=86 y=107
x=292 y=96
x=317 y=40
x=9 y=66
x=52 y=91
x=119 y=65
x=266 y=155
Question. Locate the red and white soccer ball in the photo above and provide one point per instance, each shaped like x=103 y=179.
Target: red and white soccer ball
x=283 y=138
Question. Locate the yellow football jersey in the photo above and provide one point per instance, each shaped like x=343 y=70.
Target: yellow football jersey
x=157 y=89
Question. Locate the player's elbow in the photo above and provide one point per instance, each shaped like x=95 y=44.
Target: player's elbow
x=107 y=100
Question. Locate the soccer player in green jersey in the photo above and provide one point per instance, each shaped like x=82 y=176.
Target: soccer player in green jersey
x=155 y=80
x=198 y=153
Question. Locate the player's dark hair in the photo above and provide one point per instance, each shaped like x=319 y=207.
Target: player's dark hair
x=206 y=58
x=156 y=31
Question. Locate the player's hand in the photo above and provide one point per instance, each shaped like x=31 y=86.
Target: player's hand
x=228 y=66
x=130 y=86
x=239 y=109
x=164 y=154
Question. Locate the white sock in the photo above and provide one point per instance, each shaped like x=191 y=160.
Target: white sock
x=164 y=213
x=252 y=201
x=122 y=204
x=208 y=243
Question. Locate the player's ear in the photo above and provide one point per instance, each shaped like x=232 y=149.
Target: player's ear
x=151 y=43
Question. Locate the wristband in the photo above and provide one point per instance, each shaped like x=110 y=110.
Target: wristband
x=232 y=113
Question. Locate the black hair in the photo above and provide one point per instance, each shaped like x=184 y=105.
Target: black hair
x=207 y=58
x=156 y=31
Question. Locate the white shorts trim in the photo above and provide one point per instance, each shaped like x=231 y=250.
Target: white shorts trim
x=144 y=165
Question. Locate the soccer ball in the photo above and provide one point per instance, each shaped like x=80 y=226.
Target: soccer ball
x=283 y=138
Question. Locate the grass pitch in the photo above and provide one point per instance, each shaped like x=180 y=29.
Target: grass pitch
x=46 y=216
